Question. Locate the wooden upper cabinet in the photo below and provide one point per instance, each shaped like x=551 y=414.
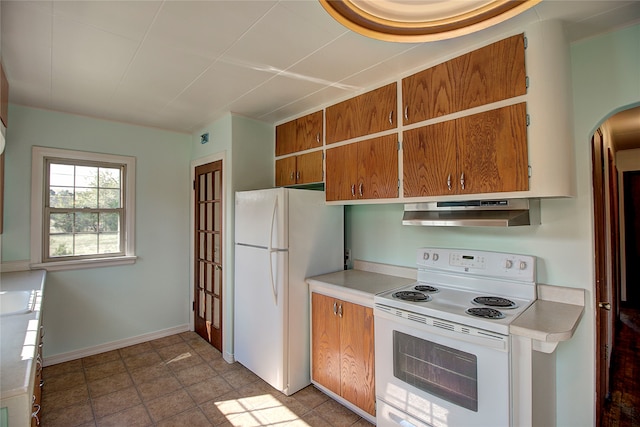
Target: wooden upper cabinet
x=489 y=74
x=363 y=170
x=301 y=169
x=492 y=150
x=366 y=114
x=4 y=97
x=480 y=153
x=309 y=168
x=286 y=171
x=300 y=134
x=429 y=160
x=309 y=131
x=342 y=173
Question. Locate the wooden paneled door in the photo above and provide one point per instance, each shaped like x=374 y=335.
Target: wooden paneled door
x=603 y=312
x=208 y=253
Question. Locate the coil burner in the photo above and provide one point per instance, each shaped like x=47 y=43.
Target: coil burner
x=485 y=312
x=426 y=288
x=412 y=296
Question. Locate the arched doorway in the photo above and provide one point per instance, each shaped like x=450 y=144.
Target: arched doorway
x=617 y=136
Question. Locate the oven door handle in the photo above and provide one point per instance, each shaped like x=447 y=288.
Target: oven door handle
x=403 y=423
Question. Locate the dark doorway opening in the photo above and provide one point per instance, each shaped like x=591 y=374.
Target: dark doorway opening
x=632 y=238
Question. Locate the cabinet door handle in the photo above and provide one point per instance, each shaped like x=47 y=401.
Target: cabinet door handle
x=335 y=308
x=353 y=190
x=298 y=176
x=391 y=117
x=340 y=310
x=291 y=177
x=318 y=137
x=406 y=112
x=38 y=363
x=462 y=180
x=360 y=190
x=449 y=182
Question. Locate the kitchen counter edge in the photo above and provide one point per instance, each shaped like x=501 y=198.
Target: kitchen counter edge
x=19 y=335
x=359 y=285
x=552 y=318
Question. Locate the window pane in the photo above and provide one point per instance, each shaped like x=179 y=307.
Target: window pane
x=60 y=245
x=109 y=198
x=86 y=222
x=61 y=175
x=109 y=178
x=86 y=244
x=86 y=198
x=60 y=223
x=109 y=223
x=108 y=243
x=61 y=197
x=86 y=176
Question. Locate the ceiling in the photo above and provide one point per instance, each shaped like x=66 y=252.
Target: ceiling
x=180 y=65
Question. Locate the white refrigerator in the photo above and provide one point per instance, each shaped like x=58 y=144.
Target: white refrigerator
x=282 y=236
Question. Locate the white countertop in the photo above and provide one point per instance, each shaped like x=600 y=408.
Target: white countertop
x=552 y=318
x=19 y=335
x=356 y=285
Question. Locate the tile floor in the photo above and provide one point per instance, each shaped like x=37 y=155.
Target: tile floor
x=623 y=410
x=177 y=381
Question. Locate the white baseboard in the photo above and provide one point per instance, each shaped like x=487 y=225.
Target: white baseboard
x=114 y=345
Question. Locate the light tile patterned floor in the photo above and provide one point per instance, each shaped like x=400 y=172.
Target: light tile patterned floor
x=176 y=381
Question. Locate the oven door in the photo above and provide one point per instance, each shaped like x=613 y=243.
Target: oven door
x=437 y=373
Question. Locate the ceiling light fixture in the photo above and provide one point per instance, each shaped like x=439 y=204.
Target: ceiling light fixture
x=417 y=21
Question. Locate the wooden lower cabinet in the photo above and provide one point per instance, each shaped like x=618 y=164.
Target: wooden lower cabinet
x=481 y=153
x=302 y=169
x=38 y=382
x=342 y=350
x=363 y=170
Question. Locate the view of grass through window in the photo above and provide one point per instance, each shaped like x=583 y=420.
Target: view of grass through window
x=85 y=212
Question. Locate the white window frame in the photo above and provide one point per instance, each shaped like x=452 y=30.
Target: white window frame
x=38 y=166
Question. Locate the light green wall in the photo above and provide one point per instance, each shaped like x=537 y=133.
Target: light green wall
x=90 y=307
x=247 y=149
x=605 y=79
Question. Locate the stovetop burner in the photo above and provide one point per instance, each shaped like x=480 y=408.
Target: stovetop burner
x=426 y=288
x=412 y=296
x=485 y=312
x=491 y=301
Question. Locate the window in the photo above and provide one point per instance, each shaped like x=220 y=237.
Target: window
x=83 y=209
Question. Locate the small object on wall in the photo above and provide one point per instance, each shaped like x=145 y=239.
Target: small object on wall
x=204 y=138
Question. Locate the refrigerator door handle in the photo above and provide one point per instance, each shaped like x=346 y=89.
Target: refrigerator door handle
x=271 y=250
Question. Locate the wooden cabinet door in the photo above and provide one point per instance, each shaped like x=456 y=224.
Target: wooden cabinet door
x=309 y=131
x=342 y=172
x=286 y=138
x=286 y=171
x=371 y=112
x=492 y=151
x=429 y=160
x=489 y=74
x=428 y=93
x=378 y=168
x=309 y=168
x=325 y=342
x=357 y=350
x=4 y=97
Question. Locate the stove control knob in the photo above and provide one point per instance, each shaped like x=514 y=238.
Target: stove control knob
x=523 y=265
x=425 y=256
x=508 y=264
x=436 y=257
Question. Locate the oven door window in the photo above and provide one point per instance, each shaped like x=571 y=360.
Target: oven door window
x=442 y=371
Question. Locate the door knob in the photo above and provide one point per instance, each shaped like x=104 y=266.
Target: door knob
x=605 y=305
